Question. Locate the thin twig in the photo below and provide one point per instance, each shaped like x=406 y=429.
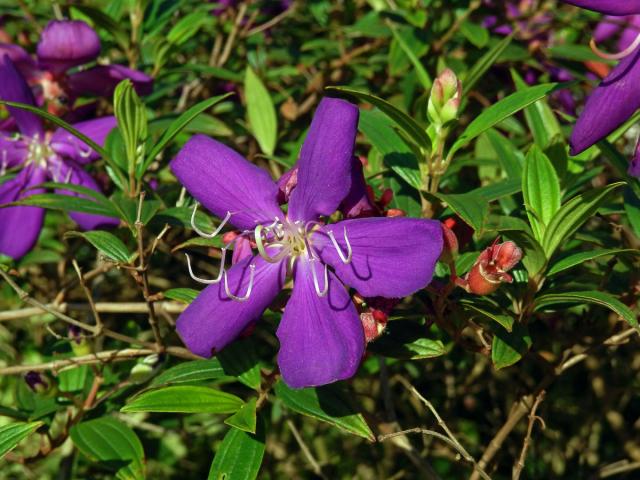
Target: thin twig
x=232 y=36
x=617 y=468
x=305 y=450
x=87 y=292
x=271 y=23
x=101 y=307
x=517 y=469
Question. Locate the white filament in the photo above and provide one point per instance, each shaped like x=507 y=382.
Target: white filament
x=204 y=280
x=200 y=232
x=246 y=296
x=345 y=259
x=615 y=56
x=323 y=292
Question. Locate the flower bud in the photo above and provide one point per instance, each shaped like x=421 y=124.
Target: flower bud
x=445 y=98
x=450 y=245
x=36 y=382
x=144 y=369
x=491 y=267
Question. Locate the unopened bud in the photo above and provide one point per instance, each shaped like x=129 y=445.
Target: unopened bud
x=491 y=267
x=445 y=98
x=450 y=245
x=144 y=369
x=36 y=381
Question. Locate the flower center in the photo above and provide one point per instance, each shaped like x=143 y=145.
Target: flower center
x=38 y=152
x=286 y=239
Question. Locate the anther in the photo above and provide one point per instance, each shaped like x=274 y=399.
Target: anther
x=246 y=295
x=204 y=280
x=615 y=56
x=321 y=293
x=345 y=259
x=84 y=153
x=262 y=250
x=200 y=232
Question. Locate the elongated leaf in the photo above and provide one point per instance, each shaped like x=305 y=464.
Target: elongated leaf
x=132 y=122
x=12 y=434
x=245 y=418
x=506 y=321
x=484 y=63
x=413 y=129
x=261 y=112
x=184 y=295
x=506 y=153
x=330 y=404
x=89 y=192
x=595 y=297
x=113 y=444
x=177 y=126
x=421 y=73
x=107 y=243
x=509 y=347
x=103 y=20
x=579 y=258
x=573 y=214
x=67 y=203
x=471 y=207
x=541 y=191
x=190 y=372
x=184 y=399
x=239 y=456
x=498 y=112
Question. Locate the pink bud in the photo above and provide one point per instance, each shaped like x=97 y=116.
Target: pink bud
x=491 y=267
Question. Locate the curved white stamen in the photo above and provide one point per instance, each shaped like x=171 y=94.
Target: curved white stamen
x=84 y=153
x=321 y=293
x=4 y=163
x=345 y=259
x=204 y=280
x=67 y=178
x=246 y=296
x=262 y=250
x=615 y=56
x=14 y=137
x=200 y=232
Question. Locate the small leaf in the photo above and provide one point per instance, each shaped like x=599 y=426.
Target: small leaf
x=245 y=418
x=73 y=379
x=508 y=348
x=107 y=243
x=506 y=321
x=498 y=112
x=113 y=444
x=330 y=404
x=471 y=207
x=541 y=191
x=239 y=456
x=132 y=122
x=190 y=372
x=595 y=297
x=421 y=73
x=261 y=112
x=184 y=295
x=573 y=214
x=12 y=434
x=184 y=399
x=239 y=360
x=579 y=258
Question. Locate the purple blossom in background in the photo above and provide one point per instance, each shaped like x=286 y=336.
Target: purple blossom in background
x=63 y=45
x=40 y=157
x=321 y=335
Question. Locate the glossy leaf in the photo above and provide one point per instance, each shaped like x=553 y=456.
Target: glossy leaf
x=190 y=372
x=541 y=191
x=184 y=295
x=12 y=434
x=579 y=258
x=508 y=348
x=245 y=418
x=107 y=243
x=184 y=399
x=239 y=456
x=261 y=112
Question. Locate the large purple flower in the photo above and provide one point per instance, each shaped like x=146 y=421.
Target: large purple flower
x=321 y=337
x=39 y=157
x=616 y=98
x=65 y=44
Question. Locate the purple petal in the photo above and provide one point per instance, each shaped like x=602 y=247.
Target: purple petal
x=324 y=166
x=102 y=80
x=20 y=226
x=609 y=106
x=321 y=338
x=68 y=172
x=392 y=257
x=358 y=203
x=13 y=152
x=610 y=7
x=213 y=320
x=630 y=33
x=67 y=145
x=223 y=181
x=606 y=28
x=67 y=43
x=13 y=88
x=20 y=58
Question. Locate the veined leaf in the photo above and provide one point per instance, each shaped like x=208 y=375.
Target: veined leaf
x=190 y=372
x=184 y=295
x=485 y=63
x=579 y=258
x=67 y=203
x=239 y=456
x=261 y=112
x=245 y=418
x=184 y=399
x=12 y=434
x=107 y=243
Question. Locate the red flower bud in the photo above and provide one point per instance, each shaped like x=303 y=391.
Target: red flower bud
x=491 y=267
x=450 y=247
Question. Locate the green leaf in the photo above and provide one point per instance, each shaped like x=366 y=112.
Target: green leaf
x=534 y=259
x=103 y=20
x=541 y=191
x=421 y=73
x=107 y=243
x=506 y=154
x=67 y=203
x=132 y=122
x=476 y=34
x=412 y=128
x=471 y=207
x=406 y=339
x=184 y=399
x=260 y=112
x=379 y=130
x=579 y=258
x=330 y=404
x=488 y=311
x=509 y=347
x=184 y=295
x=245 y=418
x=113 y=444
x=176 y=127
x=128 y=209
x=239 y=456
x=485 y=63
x=595 y=297
x=239 y=360
x=500 y=111
x=187 y=27
x=12 y=434
x=73 y=379
x=573 y=214
x=190 y=372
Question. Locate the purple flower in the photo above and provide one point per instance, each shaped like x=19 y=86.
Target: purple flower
x=39 y=157
x=615 y=99
x=321 y=336
x=65 y=44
